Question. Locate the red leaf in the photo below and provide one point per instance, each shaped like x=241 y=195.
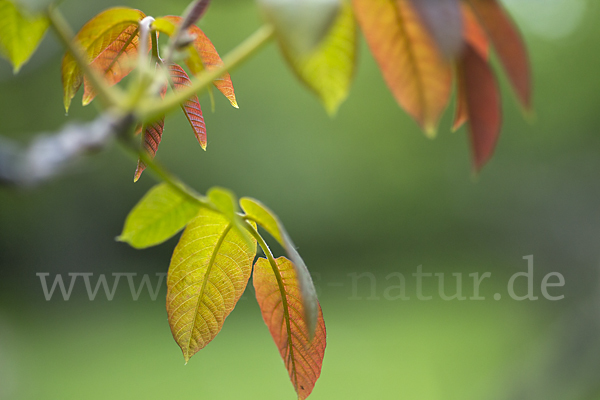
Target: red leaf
x=191 y=107
x=115 y=62
x=482 y=102
x=443 y=19
x=278 y=294
x=508 y=45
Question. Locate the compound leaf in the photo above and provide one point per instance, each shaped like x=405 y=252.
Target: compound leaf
x=20 y=33
x=208 y=274
x=159 y=215
x=412 y=66
x=278 y=293
x=329 y=69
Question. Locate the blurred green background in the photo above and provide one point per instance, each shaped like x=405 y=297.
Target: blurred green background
x=363 y=192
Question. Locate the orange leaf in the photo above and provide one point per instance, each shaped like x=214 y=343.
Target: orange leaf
x=115 y=62
x=412 y=66
x=191 y=107
x=278 y=294
x=95 y=36
x=443 y=19
x=482 y=104
x=207 y=57
x=508 y=45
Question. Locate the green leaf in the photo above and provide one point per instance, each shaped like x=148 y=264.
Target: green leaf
x=208 y=274
x=300 y=25
x=226 y=202
x=329 y=69
x=20 y=33
x=264 y=217
x=160 y=214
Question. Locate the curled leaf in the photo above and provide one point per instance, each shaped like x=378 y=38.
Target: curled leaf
x=158 y=216
x=267 y=220
x=20 y=33
x=191 y=107
x=414 y=70
x=208 y=274
x=329 y=69
x=277 y=291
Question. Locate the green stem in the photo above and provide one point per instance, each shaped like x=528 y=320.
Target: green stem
x=110 y=96
x=165 y=176
x=246 y=49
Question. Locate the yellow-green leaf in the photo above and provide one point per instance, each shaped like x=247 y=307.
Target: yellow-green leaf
x=329 y=69
x=95 y=36
x=159 y=215
x=264 y=217
x=20 y=33
x=208 y=274
x=226 y=202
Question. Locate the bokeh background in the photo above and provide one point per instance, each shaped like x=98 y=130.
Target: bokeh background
x=364 y=192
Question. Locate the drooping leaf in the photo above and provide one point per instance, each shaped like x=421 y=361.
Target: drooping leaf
x=264 y=217
x=20 y=33
x=413 y=68
x=115 y=62
x=153 y=132
x=95 y=36
x=474 y=36
x=159 y=215
x=200 y=55
x=191 y=107
x=208 y=274
x=226 y=202
x=300 y=25
x=277 y=293
x=508 y=45
x=443 y=19
x=478 y=86
x=329 y=69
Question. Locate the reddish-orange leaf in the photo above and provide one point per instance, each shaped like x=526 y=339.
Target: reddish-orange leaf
x=209 y=57
x=443 y=19
x=412 y=66
x=191 y=107
x=473 y=32
x=508 y=45
x=115 y=62
x=278 y=294
x=152 y=138
x=482 y=102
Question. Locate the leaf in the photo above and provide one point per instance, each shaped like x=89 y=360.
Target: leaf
x=226 y=202
x=153 y=132
x=159 y=215
x=202 y=54
x=264 y=217
x=329 y=69
x=95 y=36
x=300 y=25
x=508 y=45
x=191 y=107
x=414 y=70
x=20 y=33
x=444 y=21
x=115 y=62
x=208 y=274
x=277 y=293
x=482 y=104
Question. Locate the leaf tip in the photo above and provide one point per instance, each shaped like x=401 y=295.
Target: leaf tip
x=430 y=131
